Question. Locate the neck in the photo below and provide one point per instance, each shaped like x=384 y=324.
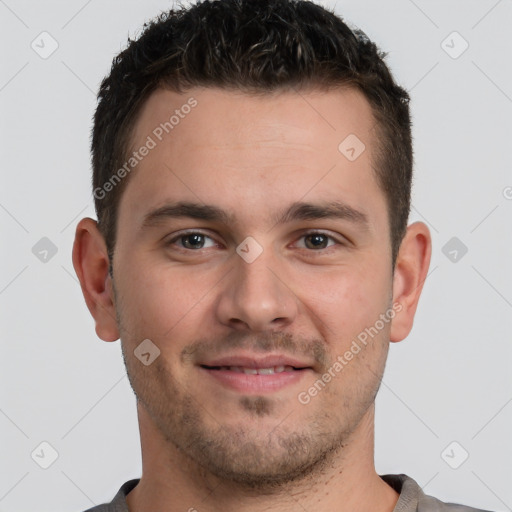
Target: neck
x=171 y=481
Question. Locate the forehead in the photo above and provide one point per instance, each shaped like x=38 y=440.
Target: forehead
x=235 y=117
x=245 y=152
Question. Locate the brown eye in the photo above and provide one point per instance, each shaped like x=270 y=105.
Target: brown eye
x=316 y=241
x=193 y=240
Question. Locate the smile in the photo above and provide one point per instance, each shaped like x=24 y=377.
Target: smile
x=254 y=380
x=254 y=371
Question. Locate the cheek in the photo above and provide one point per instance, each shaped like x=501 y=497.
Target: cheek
x=159 y=300
x=346 y=300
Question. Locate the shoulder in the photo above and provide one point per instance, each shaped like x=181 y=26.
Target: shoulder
x=118 y=504
x=413 y=499
x=431 y=504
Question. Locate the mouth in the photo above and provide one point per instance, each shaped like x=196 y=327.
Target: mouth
x=250 y=375
x=271 y=370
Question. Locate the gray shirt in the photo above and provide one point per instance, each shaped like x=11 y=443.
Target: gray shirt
x=412 y=498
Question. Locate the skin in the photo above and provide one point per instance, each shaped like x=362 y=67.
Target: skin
x=204 y=445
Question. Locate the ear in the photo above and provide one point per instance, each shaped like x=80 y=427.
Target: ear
x=90 y=259
x=410 y=273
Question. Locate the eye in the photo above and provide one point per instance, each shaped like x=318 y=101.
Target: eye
x=317 y=240
x=192 y=240
x=196 y=240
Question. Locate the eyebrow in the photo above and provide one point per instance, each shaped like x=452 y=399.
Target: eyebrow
x=296 y=211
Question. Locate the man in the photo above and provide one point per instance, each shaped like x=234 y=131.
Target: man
x=252 y=168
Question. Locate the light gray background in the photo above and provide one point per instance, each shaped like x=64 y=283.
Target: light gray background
x=449 y=381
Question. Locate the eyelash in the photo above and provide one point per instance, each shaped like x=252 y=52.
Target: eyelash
x=304 y=235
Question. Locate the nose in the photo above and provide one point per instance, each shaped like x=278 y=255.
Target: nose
x=256 y=297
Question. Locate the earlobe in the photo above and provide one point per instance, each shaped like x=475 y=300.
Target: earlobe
x=411 y=269
x=90 y=260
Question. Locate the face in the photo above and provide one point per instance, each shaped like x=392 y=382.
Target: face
x=252 y=253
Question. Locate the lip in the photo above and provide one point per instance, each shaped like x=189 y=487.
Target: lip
x=253 y=361
x=257 y=383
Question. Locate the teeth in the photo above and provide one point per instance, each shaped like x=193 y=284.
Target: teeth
x=258 y=371
x=266 y=371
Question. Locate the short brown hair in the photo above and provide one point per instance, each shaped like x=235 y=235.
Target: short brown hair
x=256 y=46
